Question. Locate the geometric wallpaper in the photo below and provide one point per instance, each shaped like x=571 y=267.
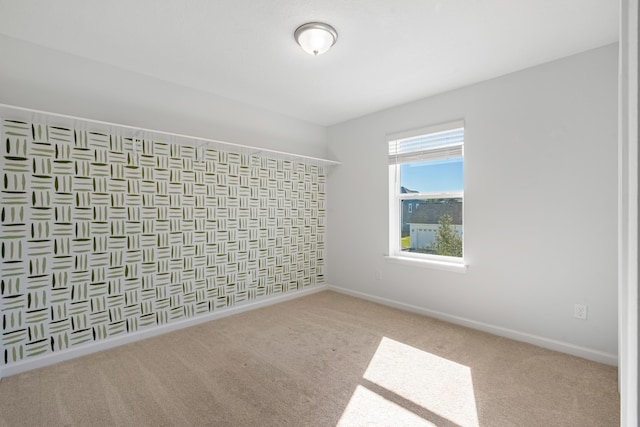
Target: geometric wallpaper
x=103 y=235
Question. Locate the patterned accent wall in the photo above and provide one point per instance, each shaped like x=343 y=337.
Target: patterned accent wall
x=103 y=235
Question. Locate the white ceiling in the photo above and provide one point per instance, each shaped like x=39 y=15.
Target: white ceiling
x=388 y=52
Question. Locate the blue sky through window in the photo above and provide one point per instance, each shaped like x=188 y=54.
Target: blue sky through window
x=433 y=177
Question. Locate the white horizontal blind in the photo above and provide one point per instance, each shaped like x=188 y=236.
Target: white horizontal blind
x=440 y=145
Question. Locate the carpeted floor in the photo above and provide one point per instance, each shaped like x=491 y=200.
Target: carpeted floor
x=321 y=360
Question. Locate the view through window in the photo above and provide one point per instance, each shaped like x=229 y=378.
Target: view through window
x=426 y=173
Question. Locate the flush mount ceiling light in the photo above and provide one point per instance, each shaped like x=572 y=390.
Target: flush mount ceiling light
x=315 y=37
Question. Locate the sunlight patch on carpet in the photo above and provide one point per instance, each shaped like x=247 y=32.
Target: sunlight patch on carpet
x=367 y=408
x=403 y=381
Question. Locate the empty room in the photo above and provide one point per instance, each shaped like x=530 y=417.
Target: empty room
x=338 y=213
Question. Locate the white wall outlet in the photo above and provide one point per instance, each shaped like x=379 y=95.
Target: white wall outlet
x=378 y=275
x=580 y=311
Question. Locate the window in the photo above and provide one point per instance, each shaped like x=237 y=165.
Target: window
x=426 y=193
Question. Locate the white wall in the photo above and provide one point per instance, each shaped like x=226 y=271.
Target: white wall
x=36 y=77
x=540 y=205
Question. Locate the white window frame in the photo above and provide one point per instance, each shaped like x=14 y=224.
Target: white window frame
x=395 y=207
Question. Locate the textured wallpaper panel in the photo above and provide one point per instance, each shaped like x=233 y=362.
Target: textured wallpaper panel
x=102 y=235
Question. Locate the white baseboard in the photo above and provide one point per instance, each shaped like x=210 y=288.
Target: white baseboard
x=52 y=358
x=586 y=353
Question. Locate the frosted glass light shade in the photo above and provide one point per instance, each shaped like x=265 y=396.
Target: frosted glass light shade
x=315 y=38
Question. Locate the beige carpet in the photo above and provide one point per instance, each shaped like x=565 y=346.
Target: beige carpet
x=321 y=360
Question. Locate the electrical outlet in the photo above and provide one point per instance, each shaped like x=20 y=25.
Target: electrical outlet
x=580 y=311
x=378 y=275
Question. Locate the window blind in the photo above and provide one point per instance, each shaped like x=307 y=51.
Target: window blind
x=439 y=145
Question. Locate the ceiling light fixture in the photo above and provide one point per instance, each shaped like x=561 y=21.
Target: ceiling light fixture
x=315 y=37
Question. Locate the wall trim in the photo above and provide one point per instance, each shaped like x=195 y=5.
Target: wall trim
x=586 y=353
x=53 y=358
x=31 y=115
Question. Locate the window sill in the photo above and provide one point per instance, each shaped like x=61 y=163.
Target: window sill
x=428 y=263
